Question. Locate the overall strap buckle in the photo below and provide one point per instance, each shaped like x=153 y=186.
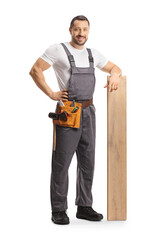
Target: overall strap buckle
x=91 y=59
x=71 y=58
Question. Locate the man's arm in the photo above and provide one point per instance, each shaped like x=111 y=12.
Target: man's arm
x=115 y=72
x=36 y=73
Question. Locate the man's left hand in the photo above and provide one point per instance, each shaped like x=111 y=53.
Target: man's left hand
x=113 y=83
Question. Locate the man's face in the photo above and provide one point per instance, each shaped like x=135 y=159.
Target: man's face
x=79 y=32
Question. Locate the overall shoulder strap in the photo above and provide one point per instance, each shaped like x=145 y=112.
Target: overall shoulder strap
x=91 y=60
x=70 y=56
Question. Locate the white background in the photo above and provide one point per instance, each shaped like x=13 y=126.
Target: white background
x=127 y=33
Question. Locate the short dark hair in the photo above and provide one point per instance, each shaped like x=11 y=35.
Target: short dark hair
x=81 y=18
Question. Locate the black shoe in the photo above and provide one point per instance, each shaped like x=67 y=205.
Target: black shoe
x=60 y=217
x=88 y=213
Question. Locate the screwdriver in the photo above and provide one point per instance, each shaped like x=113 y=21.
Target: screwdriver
x=61 y=103
x=73 y=103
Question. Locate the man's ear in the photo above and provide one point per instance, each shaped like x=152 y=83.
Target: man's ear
x=70 y=30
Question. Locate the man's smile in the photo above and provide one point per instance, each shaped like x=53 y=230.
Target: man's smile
x=80 y=38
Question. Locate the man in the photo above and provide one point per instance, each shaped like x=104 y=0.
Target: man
x=74 y=66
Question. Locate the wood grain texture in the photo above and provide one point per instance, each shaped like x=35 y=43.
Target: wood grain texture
x=117 y=152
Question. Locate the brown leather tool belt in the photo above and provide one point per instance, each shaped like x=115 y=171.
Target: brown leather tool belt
x=87 y=103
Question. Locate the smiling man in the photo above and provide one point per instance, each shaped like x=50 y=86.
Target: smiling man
x=74 y=67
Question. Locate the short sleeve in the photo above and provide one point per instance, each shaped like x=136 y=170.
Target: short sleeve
x=99 y=59
x=49 y=54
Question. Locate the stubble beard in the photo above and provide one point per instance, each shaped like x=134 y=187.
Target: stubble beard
x=79 y=44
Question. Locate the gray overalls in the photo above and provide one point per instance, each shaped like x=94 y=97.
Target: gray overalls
x=80 y=140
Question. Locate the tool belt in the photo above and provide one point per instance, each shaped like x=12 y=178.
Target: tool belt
x=69 y=116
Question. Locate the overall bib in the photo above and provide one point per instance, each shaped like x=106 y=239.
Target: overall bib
x=75 y=140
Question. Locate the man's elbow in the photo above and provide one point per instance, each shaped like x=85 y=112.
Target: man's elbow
x=33 y=70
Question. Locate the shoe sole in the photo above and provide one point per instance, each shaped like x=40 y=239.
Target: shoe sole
x=89 y=219
x=60 y=223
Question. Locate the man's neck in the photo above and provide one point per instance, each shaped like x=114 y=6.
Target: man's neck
x=76 y=46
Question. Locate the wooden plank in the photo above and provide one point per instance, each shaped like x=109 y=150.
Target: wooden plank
x=117 y=152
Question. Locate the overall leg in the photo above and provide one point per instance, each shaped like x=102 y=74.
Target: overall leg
x=86 y=158
x=66 y=144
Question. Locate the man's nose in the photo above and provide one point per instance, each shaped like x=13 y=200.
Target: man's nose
x=81 y=32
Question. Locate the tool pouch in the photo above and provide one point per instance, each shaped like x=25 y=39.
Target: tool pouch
x=73 y=119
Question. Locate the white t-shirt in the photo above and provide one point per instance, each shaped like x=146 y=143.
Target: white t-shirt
x=56 y=56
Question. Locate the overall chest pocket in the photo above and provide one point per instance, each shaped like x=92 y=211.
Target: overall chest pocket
x=84 y=84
